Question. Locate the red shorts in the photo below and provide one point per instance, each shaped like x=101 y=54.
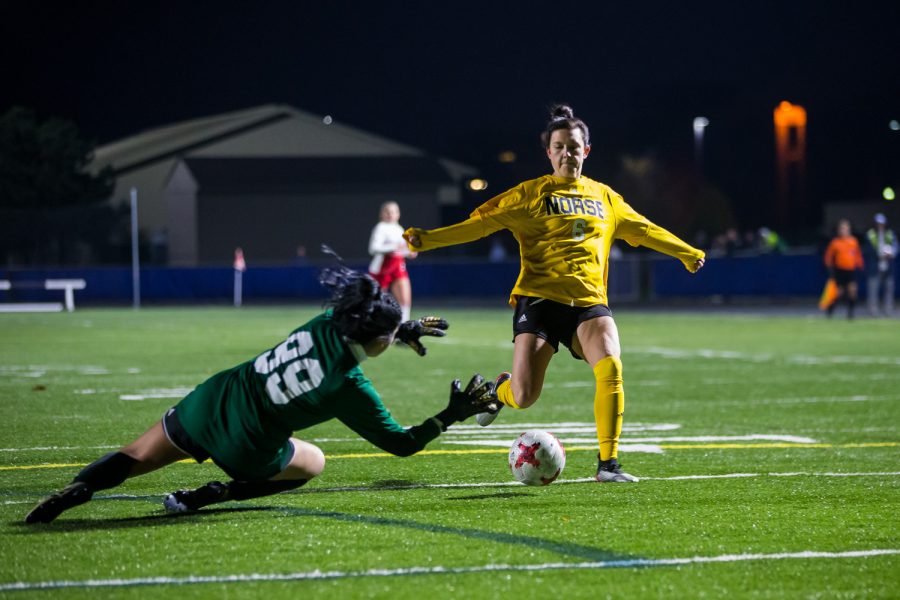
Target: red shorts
x=392 y=268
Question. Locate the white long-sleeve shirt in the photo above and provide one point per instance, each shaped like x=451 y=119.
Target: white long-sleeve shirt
x=386 y=238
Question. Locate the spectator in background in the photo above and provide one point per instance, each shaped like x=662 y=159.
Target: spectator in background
x=389 y=253
x=881 y=251
x=732 y=241
x=300 y=258
x=770 y=241
x=750 y=240
x=843 y=258
x=497 y=252
x=701 y=240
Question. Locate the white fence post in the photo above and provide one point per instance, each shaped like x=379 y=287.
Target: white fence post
x=135 y=258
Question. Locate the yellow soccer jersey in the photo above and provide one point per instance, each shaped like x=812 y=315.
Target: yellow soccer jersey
x=565 y=229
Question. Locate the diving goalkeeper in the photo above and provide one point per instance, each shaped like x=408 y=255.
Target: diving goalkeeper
x=243 y=418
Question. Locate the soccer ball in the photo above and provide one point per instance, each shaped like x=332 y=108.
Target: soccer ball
x=536 y=458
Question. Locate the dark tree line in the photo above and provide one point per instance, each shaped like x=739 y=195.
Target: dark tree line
x=53 y=210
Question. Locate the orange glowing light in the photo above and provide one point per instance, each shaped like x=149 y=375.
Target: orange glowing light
x=790 y=115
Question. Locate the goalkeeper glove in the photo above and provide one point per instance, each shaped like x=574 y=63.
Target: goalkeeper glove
x=478 y=397
x=409 y=332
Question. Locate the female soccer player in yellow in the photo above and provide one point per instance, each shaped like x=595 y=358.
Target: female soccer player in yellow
x=565 y=224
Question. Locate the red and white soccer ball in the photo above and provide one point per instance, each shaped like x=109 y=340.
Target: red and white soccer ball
x=536 y=458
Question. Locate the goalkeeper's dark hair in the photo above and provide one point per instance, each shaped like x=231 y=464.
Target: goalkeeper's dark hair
x=361 y=310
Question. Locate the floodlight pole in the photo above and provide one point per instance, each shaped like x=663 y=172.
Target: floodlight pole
x=700 y=125
x=135 y=258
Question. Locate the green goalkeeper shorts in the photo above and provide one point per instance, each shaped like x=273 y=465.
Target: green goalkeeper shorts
x=210 y=418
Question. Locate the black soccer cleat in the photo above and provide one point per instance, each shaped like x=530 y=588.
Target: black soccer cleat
x=190 y=500
x=610 y=471
x=486 y=418
x=53 y=505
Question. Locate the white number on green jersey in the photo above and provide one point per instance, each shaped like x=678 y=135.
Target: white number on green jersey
x=290 y=372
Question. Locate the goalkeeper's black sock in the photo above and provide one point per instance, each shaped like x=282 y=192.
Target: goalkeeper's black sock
x=245 y=490
x=106 y=472
x=851 y=304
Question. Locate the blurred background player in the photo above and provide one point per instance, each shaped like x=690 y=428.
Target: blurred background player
x=243 y=417
x=389 y=252
x=881 y=251
x=843 y=258
x=565 y=224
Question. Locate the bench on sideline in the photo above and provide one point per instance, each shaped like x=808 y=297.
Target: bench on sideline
x=68 y=286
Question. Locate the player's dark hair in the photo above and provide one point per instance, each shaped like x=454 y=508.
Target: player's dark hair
x=361 y=310
x=563 y=117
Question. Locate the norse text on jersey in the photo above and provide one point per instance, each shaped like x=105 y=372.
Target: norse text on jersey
x=565 y=205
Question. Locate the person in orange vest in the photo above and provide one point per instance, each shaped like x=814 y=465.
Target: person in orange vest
x=843 y=258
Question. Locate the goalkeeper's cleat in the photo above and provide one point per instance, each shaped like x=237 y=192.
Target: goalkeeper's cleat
x=486 y=418
x=50 y=507
x=610 y=471
x=184 y=501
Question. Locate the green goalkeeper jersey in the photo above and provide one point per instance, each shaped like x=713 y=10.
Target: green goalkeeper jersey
x=245 y=416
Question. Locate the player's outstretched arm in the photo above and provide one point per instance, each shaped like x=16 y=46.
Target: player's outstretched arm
x=476 y=398
x=410 y=332
x=364 y=413
x=473 y=228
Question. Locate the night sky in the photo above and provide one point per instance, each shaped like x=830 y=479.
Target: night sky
x=468 y=80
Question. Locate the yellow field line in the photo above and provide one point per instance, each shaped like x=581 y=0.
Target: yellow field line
x=504 y=451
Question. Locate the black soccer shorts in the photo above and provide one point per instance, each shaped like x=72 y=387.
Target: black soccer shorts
x=180 y=438
x=552 y=321
x=844 y=277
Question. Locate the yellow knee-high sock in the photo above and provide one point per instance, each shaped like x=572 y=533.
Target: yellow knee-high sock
x=505 y=395
x=609 y=404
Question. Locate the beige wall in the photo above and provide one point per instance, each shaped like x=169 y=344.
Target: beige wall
x=150 y=183
x=270 y=227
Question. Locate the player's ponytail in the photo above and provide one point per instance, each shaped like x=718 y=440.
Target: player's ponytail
x=563 y=117
x=361 y=311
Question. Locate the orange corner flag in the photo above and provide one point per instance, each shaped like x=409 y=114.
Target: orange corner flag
x=829 y=294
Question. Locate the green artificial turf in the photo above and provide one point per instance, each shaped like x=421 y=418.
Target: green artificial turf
x=789 y=401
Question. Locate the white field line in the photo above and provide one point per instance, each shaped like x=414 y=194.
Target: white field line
x=828 y=474
x=518 y=428
x=439 y=570
x=511 y=483
x=83 y=369
x=512 y=431
x=801 y=359
x=41 y=370
x=592 y=384
x=44 y=448
x=820 y=399
x=147 y=394
x=157 y=393
x=791 y=439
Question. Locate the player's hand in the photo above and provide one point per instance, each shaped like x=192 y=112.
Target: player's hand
x=409 y=332
x=696 y=265
x=413 y=237
x=477 y=397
